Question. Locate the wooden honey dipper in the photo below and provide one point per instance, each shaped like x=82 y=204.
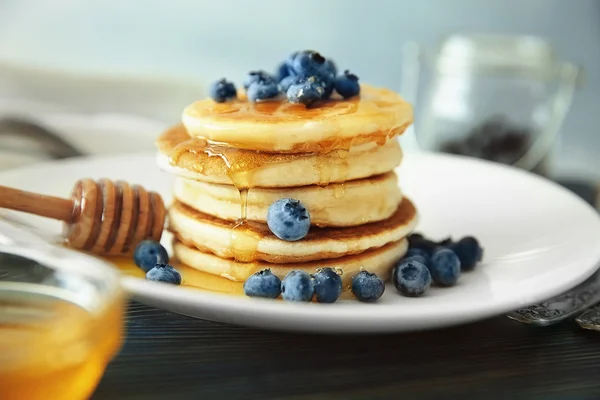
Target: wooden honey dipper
x=101 y=217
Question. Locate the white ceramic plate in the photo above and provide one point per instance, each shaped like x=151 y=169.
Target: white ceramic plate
x=539 y=240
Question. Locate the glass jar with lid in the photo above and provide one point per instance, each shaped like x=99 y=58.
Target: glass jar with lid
x=500 y=98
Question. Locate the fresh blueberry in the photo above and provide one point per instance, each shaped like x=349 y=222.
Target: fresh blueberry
x=419 y=242
x=257 y=76
x=445 y=242
x=411 y=278
x=297 y=286
x=283 y=71
x=444 y=267
x=308 y=62
x=149 y=253
x=164 y=273
x=306 y=90
x=418 y=258
x=222 y=90
x=328 y=285
x=416 y=251
x=330 y=67
x=286 y=82
x=367 y=286
x=469 y=252
x=263 y=284
x=288 y=219
x=264 y=87
x=347 y=85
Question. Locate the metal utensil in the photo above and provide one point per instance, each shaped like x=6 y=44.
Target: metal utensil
x=52 y=144
x=590 y=319
x=562 y=307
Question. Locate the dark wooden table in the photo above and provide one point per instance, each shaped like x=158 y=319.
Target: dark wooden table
x=169 y=356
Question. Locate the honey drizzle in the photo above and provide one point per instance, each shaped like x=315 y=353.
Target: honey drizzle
x=244 y=243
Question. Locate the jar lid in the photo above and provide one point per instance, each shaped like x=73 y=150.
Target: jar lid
x=526 y=53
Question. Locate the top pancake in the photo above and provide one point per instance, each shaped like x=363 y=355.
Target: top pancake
x=376 y=115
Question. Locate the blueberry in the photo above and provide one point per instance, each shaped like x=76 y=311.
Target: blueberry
x=411 y=278
x=308 y=62
x=263 y=87
x=445 y=242
x=164 y=273
x=288 y=219
x=444 y=267
x=283 y=71
x=263 y=284
x=367 y=286
x=416 y=251
x=297 y=286
x=149 y=253
x=286 y=82
x=328 y=285
x=222 y=90
x=414 y=238
x=469 y=252
x=347 y=85
x=330 y=67
x=257 y=76
x=426 y=245
x=306 y=90
x=418 y=258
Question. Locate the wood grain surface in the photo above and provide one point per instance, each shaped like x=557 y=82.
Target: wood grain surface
x=169 y=356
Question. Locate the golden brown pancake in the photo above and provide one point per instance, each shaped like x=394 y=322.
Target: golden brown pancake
x=196 y=159
x=380 y=261
x=341 y=204
x=255 y=242
x=278 y=126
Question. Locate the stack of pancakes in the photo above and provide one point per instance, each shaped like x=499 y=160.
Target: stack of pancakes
x=233 y=160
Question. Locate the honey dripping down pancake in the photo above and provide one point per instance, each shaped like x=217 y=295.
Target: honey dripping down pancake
x=377 y=115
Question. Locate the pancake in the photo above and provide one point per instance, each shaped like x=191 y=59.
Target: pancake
x=380 y=261
x=253 y=242
x=343 y=204
x=377 y=115
x=196 y=159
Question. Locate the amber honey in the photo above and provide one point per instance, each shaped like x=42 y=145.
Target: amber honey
x=51 y=348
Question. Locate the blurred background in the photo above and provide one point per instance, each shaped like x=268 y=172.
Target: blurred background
x=107 y=76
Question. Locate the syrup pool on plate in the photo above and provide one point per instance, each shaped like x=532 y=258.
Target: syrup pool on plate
x=190 y=277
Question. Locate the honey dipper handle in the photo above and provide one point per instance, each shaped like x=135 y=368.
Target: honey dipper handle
x=38 y=204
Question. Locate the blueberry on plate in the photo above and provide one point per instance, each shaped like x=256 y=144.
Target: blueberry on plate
x=347 y=85
x=257 y=76
x=444 y=267
x=411 y=278
x=419 y=242
x=288 y=219
x=306 y=90
x=264 y=87
x=164 y=273
x=297 y=286
x=149 y=253
x=328 y=285
x=469 y=252
x=308 y=62
x=418 y=258
x=263 y=284
x=416 y=251
x=367 y=286
x=222 y=90
x=445 y=242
